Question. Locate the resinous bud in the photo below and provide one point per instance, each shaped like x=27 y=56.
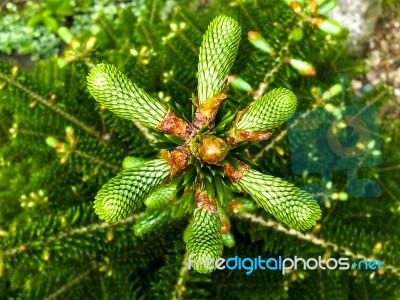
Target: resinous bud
x=212 y=149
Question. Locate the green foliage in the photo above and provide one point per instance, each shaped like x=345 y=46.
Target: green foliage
x=24 y=39
x=391 y=8
x=52 y=243
x=197 y=145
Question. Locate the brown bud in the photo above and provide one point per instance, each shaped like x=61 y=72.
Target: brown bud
x=176 y=126
x=253 y=35
x=177 y=159
x=235 y=206
x=235 y=174
x=202 y=201
x=225 y=225
x=296 y=7
x=206 y=112
x=249 y=136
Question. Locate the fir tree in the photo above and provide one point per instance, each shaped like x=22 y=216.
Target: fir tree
x=61 y=151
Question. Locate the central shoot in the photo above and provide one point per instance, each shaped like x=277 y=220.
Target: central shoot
x=209 y=148
x=203 y=163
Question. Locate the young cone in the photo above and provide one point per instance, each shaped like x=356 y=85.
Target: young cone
x=151 y=222
x=113 y=89
x=205 y=240
x=280 y=198
x=268 y=112
x=160 y=198
x=217 y=54
x=123 y=194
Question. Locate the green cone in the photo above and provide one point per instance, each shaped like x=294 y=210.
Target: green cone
x=113 y=89
x=130 y=162
x=228 y=239
x=151 y=222
x=217 y=54
x=287 y=203
x=160 y=197
x=186 y=233
x=123 y=194
x=205 y=240
x=269 y=111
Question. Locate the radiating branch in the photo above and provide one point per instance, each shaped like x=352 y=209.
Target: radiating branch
x=276 y=65
x=52 y=107
x=179 y=286
x=146 y=132
x=95 y=160
x=311 y=239
x=71 y=232
x=83 y=276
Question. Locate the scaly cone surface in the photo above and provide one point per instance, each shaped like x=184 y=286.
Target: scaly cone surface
x=287 y=203
x=120 y=95
x=123 y=194
x=205 y=239
x=269 y=111
x=217 y=54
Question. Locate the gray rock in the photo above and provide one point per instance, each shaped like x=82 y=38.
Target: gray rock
x=359 y=17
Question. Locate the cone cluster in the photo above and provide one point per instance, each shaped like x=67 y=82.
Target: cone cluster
x=206 y=154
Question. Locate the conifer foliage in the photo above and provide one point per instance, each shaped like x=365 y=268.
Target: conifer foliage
x=160 y=132
x=202 y=146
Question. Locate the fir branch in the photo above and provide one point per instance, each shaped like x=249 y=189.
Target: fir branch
x=146 y=132
x=390 y=168
x=176 y=51
x=72 y=232
x=192 y=24
x=108 y=29
x=95 y=160
x=277 y=64
x=275 y=140
x=49 y=105
x=83 y=276
x=190 y=45
x=153 y=11
x=179 y=286
x=102 y=286
x=248 y=16
x=372 y=101
x=388 y=190
x=26 y=132
x=147 y=35
x=180 y=84
x=311 y=238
